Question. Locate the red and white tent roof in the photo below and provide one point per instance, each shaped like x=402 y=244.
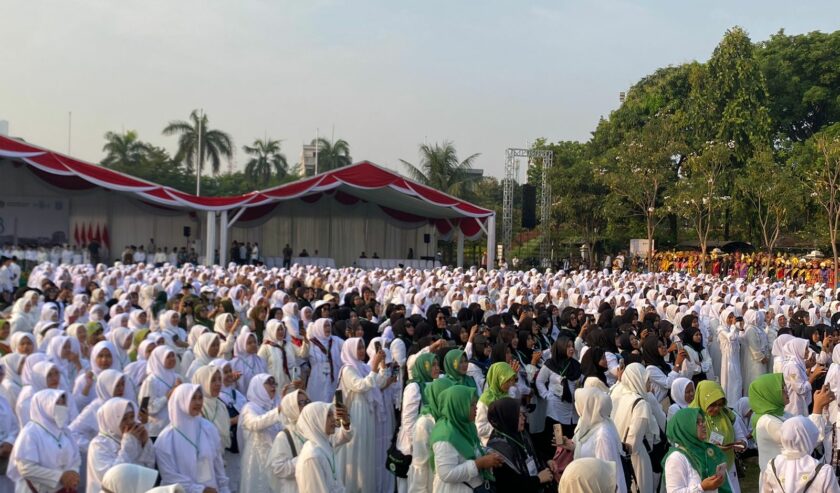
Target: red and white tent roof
x=399 y=197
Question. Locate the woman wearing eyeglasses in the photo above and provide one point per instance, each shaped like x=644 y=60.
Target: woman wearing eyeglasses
x=260 y=423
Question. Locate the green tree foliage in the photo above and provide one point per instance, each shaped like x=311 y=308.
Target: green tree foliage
x=215 y=144
x=266 y=161
x=440 y=168
x=332 y=155
x=124 y=150
x=803 y=79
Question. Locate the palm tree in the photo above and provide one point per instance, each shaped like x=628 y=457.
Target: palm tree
x=332 y=155
x=215 y=144
x=124 y=150
x=266 y=159
x=440 y=169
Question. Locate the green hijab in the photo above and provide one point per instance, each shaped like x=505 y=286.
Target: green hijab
x=498 y=374
x=704 y=457
x=431 y=397
x=450 y=367
x=454 y=425
x=706 y=394
x=421 y=374
x=766 y=397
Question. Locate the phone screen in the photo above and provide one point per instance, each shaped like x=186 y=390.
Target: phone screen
x=378 y=346
x=144 y=403
x=339 y=398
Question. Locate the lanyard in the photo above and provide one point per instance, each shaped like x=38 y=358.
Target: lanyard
x=56 y=438
x=163 y=382
x=194 y=444
x=517 y=442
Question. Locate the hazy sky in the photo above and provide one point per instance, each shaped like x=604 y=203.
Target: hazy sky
x=388 y=75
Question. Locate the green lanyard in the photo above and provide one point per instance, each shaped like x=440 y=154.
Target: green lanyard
x=212 y=419
x=56 y=438
x=517 y=442
x=194 y=444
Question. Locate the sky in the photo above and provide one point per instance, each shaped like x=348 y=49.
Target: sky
x=386 y=76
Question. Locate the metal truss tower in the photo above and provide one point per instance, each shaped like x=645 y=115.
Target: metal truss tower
x=546 y=158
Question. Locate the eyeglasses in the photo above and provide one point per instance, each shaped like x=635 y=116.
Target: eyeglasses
x=271 y=383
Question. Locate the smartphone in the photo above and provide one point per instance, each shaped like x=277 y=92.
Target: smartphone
x=339 y=399
x=295 y=373
x=144 y=404
x=378 y=346
x=679 y=346
x=720 y=470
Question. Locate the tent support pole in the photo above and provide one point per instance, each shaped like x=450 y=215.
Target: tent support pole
x=491 y=241
x=460 y=246
x=223 y=238
x=210 y=248
x=235 y=218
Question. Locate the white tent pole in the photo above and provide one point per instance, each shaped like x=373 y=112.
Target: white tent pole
x=460 y=234
x=491 y=241
x=223 y=237
x=210 y=250
x=236 y=217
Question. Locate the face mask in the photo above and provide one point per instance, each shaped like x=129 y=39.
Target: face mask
x=62 y=416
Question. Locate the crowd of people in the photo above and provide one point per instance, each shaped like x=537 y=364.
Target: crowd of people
x=807 y=269
x=138 y=377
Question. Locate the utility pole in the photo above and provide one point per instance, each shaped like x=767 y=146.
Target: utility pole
x=198 y=161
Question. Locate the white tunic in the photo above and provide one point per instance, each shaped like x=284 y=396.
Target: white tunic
x=420 y=475
x=755 y=349
x=680 y=476
x=104 y=453
x=768 y=437
x=602 y=444
x=793 y=474
x=452 y=471
x=258 y=428
x=321 y=386
x=730 y=363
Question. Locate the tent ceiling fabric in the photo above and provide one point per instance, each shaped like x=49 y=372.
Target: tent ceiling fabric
x=396 y=195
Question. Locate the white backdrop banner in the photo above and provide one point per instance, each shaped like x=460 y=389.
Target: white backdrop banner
x=42 y=220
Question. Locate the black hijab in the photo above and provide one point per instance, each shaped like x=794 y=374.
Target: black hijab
x=651 y=356
x=589 y=364
x=561 y=364
x=514 y=446
x=687 y=336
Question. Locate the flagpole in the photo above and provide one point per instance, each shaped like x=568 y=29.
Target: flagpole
x=316 y=151
x=198 y=155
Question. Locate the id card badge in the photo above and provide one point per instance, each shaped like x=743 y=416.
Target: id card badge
x=204 y=471
x=716 y=438
x=532 y=466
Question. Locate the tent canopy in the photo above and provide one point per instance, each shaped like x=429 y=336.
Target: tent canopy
x=399 y=197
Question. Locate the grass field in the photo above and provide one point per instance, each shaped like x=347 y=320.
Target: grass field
x=750 y=483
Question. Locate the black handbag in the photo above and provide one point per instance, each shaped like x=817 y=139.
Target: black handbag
x=396 y=461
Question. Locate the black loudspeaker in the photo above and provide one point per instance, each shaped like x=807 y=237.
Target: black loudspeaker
x=187 y=231
x=427 y=238
x=529 y=206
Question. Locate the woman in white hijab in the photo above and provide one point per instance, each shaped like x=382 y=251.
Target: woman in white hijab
x=206 y=350
x=121 y=439
x=588 y=475
x=755 y=350
x=226 y=325
x=636 y=422
x=246 y=361
x=120 y=338
x=797 y=359
x=158 y=387
x=234 y=401
x=214 y=410
x=175 y=336
x=23 y=315
x=131 y=478
x=281 y=355
x=794 y=470
x=45 y=458
x=778 y=351
x=12 y=382
x=729 y=337
x=8 y=434
x=361 y=386
x=324 y=360
x=682 y=393
x=259 y=423
x=188 y=357
x=316 y=470
x=42 y=374
x=101 y=358
x=595 y=434
x=189 y=452
x=110 y=383
x=136 y=371
x=282 y=458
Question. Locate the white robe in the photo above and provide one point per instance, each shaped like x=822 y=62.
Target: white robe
x=273 y=358
x=43 y=462
x=316 y=471
x=798 y=388
x=793 y=474
x=452 y=471
x=178 y=465
x=8 y=434
x=420 y=475
x=320 y=386
x=602 y=443
x=680 y=475
x=104 y=453
x=258 y=428
x=754 y=349
x=282 y=463
x=730 y=363
x=356 y=462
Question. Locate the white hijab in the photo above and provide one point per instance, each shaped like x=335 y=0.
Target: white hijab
x=594 y=408
x=131 y=478
x=155 y=366
x=678 y=391
x=795 y=466
x=214 y=410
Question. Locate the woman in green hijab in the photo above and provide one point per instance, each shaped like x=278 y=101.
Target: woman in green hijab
x=420 y=474
x=691 y=463
x=455 y=366
x=720 y=424
x=423 y=372
x=457 y=457
x=500 y=378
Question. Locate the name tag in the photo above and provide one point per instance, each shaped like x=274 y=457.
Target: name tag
x=716 y=438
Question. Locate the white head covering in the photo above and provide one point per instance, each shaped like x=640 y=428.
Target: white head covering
x=779 y=344
x=317 y=331
x=131 y=478
x=257 y=394
x=312 y=424
x=290 y=409
x=594 y=407
x=155 y=366
x=110 y=415
x=98 y=348
x=794 y=350
x=589 y=475
x=678 y=391
x=213 y=410
x=202 y=348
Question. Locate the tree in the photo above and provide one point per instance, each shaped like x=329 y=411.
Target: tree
x=266 y=159
x=822 y=177
x=698 y=193
x=215 y=144
x=332 y=155
x=648 y=156
x=770 y=199
x=124 y=150
x=440 y=169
